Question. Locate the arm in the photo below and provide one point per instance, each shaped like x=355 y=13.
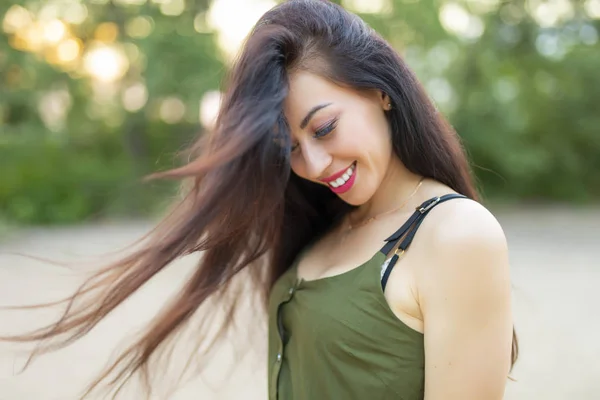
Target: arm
x=466 y=303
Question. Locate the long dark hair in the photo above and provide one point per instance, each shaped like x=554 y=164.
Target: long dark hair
x=241 y=206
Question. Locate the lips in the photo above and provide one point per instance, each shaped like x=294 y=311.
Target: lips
x=342 y=181
x=337 y=175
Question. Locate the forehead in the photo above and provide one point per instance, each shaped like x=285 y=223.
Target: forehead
x=307 y=90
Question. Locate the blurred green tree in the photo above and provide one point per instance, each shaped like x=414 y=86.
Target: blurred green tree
x=88 y=108
x=95 y=94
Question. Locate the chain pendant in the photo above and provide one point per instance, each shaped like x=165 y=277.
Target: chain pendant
x=373 y=218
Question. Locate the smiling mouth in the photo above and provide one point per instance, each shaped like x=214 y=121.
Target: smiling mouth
x=344 y=178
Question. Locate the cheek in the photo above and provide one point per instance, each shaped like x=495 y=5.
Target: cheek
x=380 y=133
x=383 y=150
x=369 y=140
x=352 y=139
x=374 y=148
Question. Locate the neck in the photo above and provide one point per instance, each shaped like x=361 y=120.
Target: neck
x=396 y=187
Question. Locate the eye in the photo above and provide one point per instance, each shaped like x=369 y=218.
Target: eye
x=326 y=129
x=319 y=133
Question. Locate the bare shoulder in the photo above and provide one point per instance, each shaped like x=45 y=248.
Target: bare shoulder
x=463 y=222
x=466 y=244
x=464 y=294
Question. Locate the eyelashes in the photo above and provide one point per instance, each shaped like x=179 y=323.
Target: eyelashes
x=321 y=132
x=327 y=129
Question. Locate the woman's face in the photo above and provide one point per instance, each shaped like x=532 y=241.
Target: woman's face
x=340 y=138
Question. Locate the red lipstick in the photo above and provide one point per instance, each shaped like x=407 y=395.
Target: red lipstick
x=341 y=186
x=336 y=175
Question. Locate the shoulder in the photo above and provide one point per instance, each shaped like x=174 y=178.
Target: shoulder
x=467 y=249
x=462 y=224
x=465 y=299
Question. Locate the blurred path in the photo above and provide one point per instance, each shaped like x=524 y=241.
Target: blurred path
x=556 y=276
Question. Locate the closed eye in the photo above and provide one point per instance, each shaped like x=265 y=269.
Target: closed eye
x=321 y=132
x=327 y=129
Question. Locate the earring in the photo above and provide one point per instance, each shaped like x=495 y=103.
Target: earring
x=389 y=106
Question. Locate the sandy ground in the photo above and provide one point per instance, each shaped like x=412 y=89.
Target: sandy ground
x=556 y=277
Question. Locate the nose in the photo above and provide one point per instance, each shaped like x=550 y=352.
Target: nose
x=316 y=159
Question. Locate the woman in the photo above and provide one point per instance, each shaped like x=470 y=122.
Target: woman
x=331 y=173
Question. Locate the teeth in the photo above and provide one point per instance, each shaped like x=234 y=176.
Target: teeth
x=340 y=181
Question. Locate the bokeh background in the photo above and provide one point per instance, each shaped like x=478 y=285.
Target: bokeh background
x=96 y=94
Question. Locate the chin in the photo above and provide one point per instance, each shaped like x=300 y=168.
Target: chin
x=357 y=202
x=357 y=197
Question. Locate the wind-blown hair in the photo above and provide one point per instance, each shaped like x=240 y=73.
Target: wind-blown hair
x=242 y=206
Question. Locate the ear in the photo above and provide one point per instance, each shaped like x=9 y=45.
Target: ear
x=386 y=102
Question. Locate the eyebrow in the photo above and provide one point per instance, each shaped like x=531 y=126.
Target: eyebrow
x=311 y=113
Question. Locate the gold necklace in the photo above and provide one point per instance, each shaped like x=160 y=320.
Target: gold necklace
x=373 y=218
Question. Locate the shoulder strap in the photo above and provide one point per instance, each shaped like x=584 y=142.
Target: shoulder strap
x=408 y=231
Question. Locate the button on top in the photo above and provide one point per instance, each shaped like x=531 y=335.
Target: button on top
x=292 y=289
x=278 y=357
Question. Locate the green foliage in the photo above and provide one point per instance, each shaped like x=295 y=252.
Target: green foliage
x=531 y=119
x=91 y=164
x=523 y=97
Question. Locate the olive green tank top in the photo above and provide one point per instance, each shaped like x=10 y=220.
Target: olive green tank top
x=337 y=338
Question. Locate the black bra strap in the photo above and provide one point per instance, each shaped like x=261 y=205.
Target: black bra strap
x=411 y=226
x=392 y=240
